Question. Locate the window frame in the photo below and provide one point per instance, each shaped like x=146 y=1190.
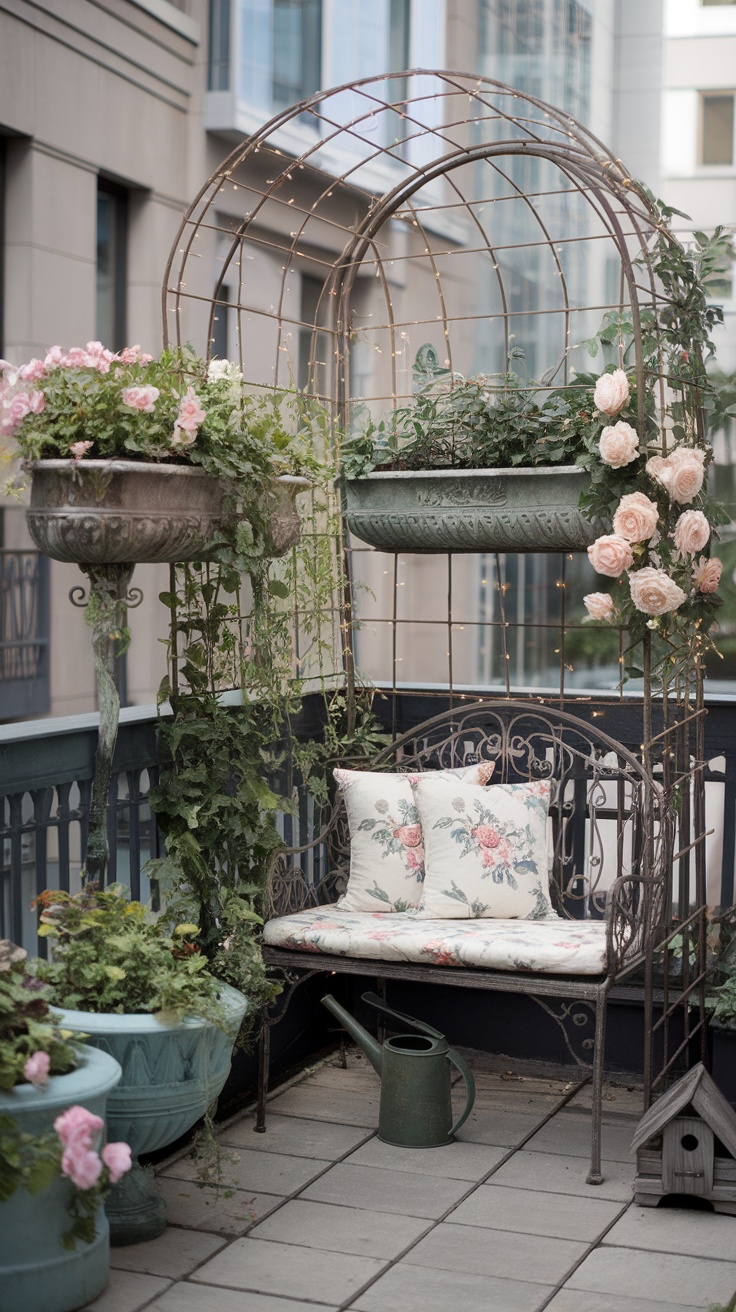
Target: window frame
x=725 y=93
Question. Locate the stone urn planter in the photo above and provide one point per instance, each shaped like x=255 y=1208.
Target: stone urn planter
x=36 y=1270
x=170 y=1076
x=529 y=509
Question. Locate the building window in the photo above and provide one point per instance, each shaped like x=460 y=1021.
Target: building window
x=716 y=127
x=112 y=224
x=219 y=341
x=313 y=344
x=297 y=50
x=218 y=62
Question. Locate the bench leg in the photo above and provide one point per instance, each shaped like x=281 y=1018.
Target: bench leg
x=264 y=1058
x=595 y=1176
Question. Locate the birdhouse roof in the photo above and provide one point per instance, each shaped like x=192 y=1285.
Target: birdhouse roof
x=698 y=1090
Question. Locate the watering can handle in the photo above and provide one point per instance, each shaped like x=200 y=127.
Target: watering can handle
x=374 y=1001
x=467 y=1075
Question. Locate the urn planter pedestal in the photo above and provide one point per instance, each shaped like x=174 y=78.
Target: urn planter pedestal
x=170 y=1076
x=521 y=509
x=36 y=1270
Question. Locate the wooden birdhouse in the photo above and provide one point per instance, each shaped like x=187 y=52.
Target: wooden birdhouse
x=686 y=1144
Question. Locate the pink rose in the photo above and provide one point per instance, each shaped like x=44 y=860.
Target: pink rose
x=33 y=371
x=20 y=406
x=486 y=835
x=654 y=592
x=707 y=574
x=54 y=357
x=76 y=358
x=37 y=402
x=36 y=1069
x=636 y=517
x=610 y=555
x=681 y=473
x=612 y=392
x=191 y=414
x=599 y=605
x=117 y=1159
x=77 y=1125
x=409 y=835
x=692 y=532
x=79 y=449
x=141 y=398
x=619 y=445
x=81 y=1165
x=415 y=857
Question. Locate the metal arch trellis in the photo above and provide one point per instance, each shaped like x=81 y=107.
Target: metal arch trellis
x=379 y=198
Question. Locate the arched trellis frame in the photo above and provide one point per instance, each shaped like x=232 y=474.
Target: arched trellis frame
x=323 y=253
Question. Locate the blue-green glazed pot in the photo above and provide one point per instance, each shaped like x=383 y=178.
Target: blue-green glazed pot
x=171 y=1074
x=37 y=1274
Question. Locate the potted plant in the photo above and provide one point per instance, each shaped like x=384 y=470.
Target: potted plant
x=54 y=1236
x=480 y=464
x=147 y=997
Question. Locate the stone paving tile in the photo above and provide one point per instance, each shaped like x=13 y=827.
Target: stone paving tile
x=578 y=1300
x=294 y=1136
x=342 y=1229
x=627 y=1101
x=570 y=1133
x=209 y=1298
x=380 y=1190
x=555 y=1174
x=410 y=1289
x=127 y=1291
x=506 y=1129
x=454 y=1161
x=315 y=1103
x=174 y=1254
x=674 y=1280
x=268 y=1173
x=358 y=1079
x=672 y=1230
x=288 y=1270
x=515 y=1101
x=561 y=1216
x=540 y=1259
x=206 y=1208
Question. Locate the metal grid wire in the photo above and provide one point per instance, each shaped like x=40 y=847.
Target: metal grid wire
x=444 y=209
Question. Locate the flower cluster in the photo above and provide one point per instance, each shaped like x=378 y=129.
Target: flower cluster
x=77 y=1129
x=655 y=541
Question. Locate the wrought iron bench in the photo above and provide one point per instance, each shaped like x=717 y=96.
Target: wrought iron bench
x=607 y=881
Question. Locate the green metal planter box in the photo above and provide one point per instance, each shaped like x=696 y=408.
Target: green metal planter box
x=530 y=509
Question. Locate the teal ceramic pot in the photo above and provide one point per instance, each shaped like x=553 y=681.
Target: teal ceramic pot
x=37 y=1274
x=534 y=509
x=171 y=1074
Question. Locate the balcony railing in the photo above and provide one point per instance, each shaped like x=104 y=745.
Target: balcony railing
x=24 y=634
x=46 y=770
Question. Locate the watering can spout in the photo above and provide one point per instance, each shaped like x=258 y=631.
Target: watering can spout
x=370 y=1046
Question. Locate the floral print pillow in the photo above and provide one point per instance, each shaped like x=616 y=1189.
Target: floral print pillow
x=485 y=849
x=386 y=841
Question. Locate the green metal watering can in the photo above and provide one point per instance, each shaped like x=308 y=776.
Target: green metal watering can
x=415 y=1109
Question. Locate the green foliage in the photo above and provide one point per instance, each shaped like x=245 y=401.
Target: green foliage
x=110 y=956
x=721 y=997
x=26 y=1024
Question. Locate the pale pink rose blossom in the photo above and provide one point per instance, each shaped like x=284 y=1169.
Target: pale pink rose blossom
x=33 y=371
x=681 y=473
x=611 y=392
x=599 y=605
x=130 y=354
x=414 y=857
x=36 y=1068
x=76 y=358
x=486 y=835
x=707 y=574
x=610 y=555
x=19 y=407
x=619 y=445
x=636 y=517
x=77 y=1125
x=54 y=356
x=191 y=414
x=409 y=835
x=143 y=358
x=141 y=398
x=81 y=1165
x=6 y=367
x=80 y=449
x=654 y=592
x=692 y=532
x=37 y=402
x=117 y=1159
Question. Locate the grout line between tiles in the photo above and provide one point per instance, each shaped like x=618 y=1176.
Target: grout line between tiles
x=590 y=1249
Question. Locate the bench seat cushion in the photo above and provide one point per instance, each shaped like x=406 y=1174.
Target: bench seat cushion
x=552 y=946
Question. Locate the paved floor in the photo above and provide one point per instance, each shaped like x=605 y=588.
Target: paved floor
x=325 y=1217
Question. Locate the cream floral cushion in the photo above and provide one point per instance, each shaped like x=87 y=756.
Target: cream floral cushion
x=553 y=946
x=485 y=849
x=386 y=848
